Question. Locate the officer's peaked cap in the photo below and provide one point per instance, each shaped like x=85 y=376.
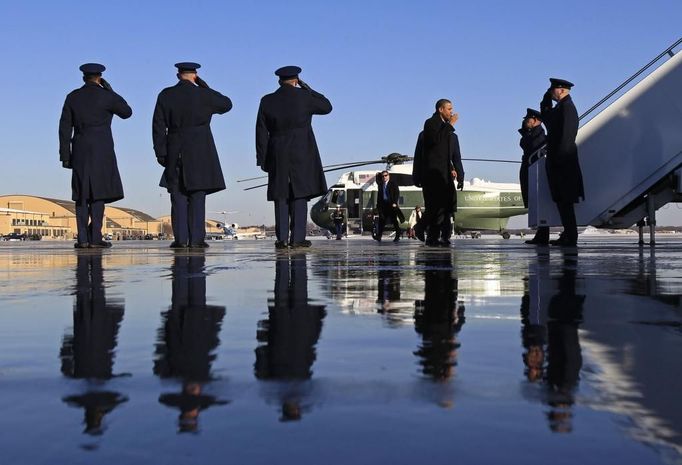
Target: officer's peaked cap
x=530 y=113
x=288 y=72
x=560 y=83
x=92 y=68
x=187 y=66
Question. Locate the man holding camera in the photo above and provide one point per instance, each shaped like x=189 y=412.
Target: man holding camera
x=437 y=165
x=86 y=146
x=184 y=146
x=563 y=169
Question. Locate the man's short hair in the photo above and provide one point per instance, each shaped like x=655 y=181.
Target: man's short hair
x=441 y=102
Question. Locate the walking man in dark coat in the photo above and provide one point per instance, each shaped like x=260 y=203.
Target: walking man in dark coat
x=388 y=195
x=563 y=169
x=338 y=219
x=184 y=146
x=437 y=165
x=532 y=139
x=86 y=146
x=286 y=149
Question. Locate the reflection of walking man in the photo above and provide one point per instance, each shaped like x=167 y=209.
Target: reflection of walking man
x=563 y=169
x=184 y=146
x=532 y=139
x=387 y=205
x=95 y=180
x=437 y=165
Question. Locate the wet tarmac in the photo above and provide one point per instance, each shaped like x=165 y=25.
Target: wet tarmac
x=489 y=352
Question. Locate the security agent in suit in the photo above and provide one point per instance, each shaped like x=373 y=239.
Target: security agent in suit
x=184 y=146
x=532 y=139
x=437 y=166
x=86 y=146
x=563 y=169
x=388 y=195
x=286 y=149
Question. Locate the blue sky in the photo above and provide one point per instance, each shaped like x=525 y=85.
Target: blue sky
x=382 y=64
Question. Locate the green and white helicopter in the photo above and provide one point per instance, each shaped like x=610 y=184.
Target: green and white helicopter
x=481 y=206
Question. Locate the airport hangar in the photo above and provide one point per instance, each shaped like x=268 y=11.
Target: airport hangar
x=55 y=219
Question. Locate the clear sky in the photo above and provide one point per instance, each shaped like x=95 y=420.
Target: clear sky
x=381 y=63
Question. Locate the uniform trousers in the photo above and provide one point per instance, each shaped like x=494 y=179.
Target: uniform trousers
x=89 y=217
x=291 y=217
x=568 y=221
x=188 y=216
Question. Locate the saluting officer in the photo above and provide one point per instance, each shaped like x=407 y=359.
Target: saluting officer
x=86 y=146
x=532 y=139
x=184 y=146
x=286 y=149
x=563 y=169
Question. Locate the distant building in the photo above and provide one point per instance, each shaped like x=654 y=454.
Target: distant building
x=56 y=219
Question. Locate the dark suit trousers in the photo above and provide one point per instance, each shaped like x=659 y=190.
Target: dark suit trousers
x=92 y=212
x=567 y=214
x=291 y=217
x=188 y=217
x=388 y=212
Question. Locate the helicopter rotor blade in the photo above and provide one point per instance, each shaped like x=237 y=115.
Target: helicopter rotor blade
x=491 y=160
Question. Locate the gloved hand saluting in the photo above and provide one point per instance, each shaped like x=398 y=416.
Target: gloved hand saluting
x=105 y=84
x=303 y=84
x=201 y=83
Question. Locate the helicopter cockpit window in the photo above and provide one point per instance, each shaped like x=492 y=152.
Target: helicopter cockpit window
x=338 y=197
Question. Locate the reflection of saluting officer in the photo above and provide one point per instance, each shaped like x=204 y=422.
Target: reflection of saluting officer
x=88 y=352
x=87 y=115
x=184 y=146
x=286 y=149
x=564 y=359
x=289 y=335
x=187 y=340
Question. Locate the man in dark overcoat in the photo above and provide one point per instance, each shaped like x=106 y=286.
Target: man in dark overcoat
x=532 y=139
x=563 y=169
x=388 y=195
x=286 y=149
x=184 y=146
x=436 y=168
x=86 y=146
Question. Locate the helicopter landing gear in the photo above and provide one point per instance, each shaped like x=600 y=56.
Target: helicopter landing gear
x=505 y=235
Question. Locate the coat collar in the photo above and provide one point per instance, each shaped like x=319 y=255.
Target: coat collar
x=184 y=82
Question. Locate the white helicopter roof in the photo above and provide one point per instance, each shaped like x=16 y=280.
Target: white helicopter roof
x=365 y=180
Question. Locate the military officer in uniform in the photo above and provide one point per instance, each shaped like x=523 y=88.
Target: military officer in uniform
x=184 y=146
x=563 y=169
x=286 y=149
x=532 y=139
x=86 y=146
x=437 y=165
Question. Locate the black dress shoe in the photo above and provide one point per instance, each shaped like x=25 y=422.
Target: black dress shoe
x=81 y=245
x=537 y=242
x=564 y=242
x=444 y=242
x=396 y=239
x=301 y=244
x=432 y=243
x=281 y=245
x=200 y=245
x=177 y=245
x=100 y=245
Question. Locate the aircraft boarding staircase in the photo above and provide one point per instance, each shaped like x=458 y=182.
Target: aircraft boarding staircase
x=630 y=153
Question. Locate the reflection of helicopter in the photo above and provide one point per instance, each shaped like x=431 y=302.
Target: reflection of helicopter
x=482 y=205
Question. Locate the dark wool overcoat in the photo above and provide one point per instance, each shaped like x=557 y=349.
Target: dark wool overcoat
x=563 y=170
x=435 y=157
x=86 y=142
x=182 y=137
x=532 y=139
x=285 y=144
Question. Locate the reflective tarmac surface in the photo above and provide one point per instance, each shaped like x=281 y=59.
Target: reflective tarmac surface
x=491 y=352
